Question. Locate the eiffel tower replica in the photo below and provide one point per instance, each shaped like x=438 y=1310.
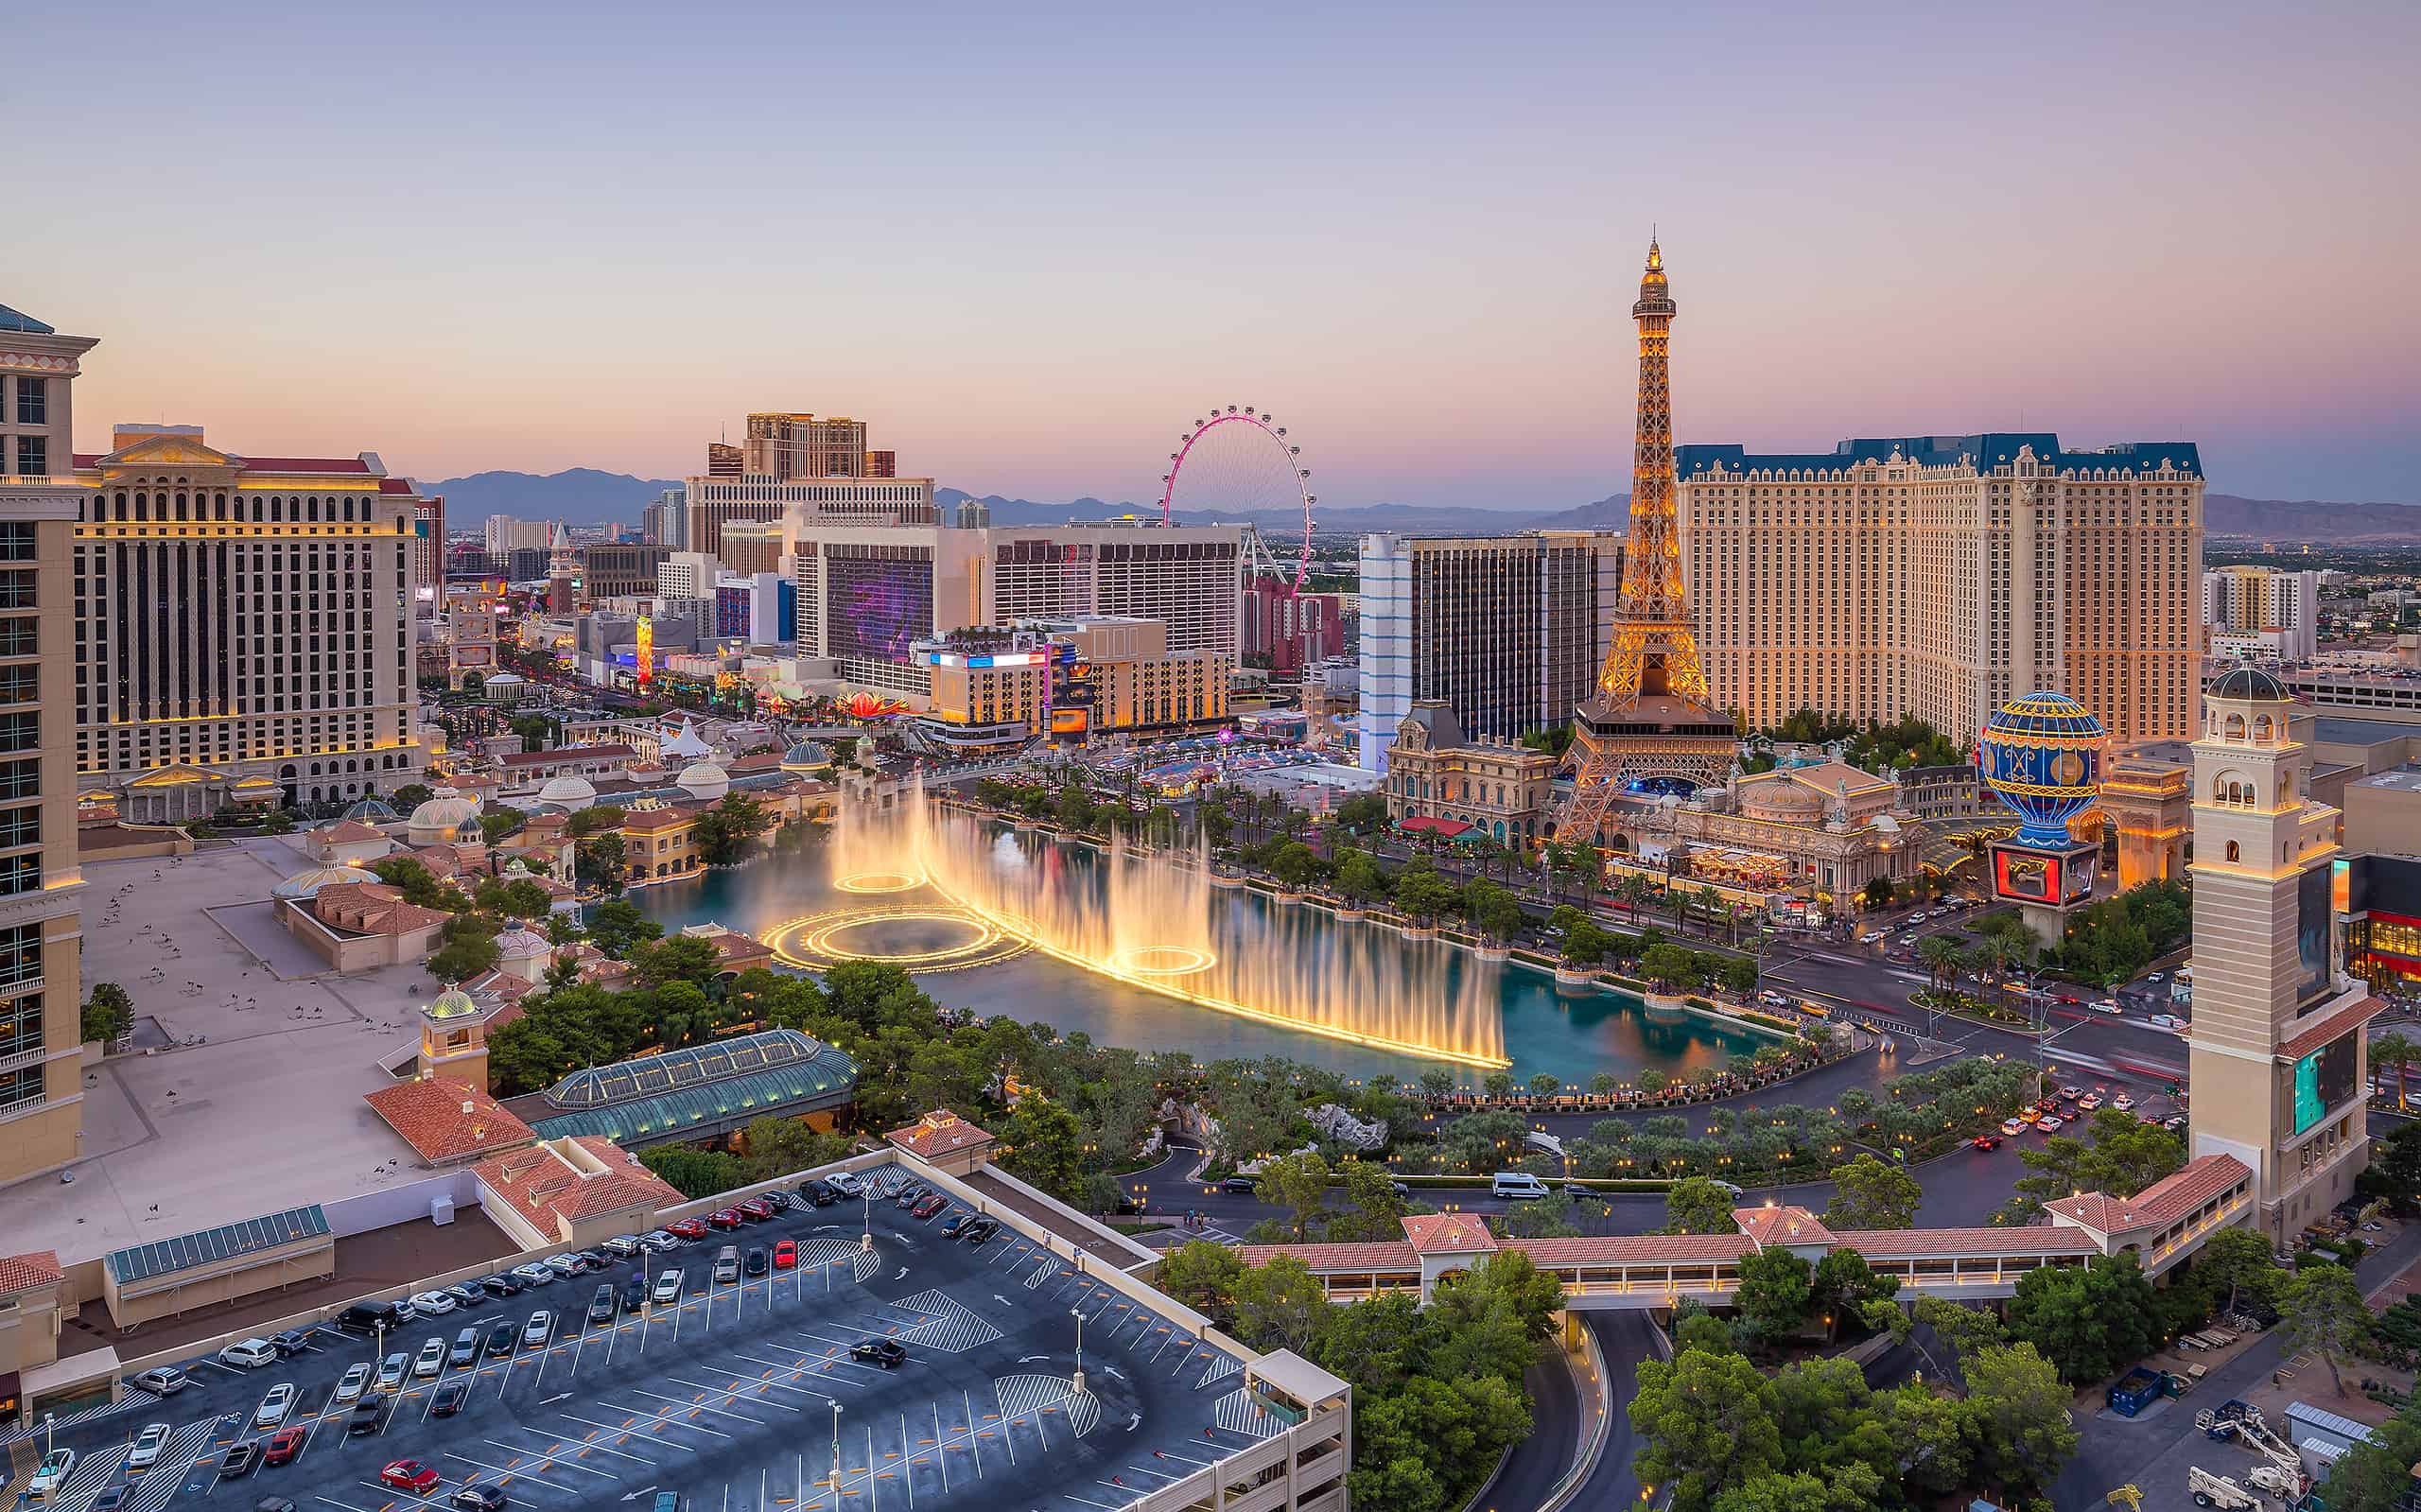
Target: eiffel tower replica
x=1650 y=715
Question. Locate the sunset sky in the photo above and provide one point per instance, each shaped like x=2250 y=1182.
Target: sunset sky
x=1028 y=243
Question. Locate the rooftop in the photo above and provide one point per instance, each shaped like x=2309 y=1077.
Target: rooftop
x=938 y=1134
x=246 y=1237
x=1986 y=450
x=18 y=320
x=445 y=1121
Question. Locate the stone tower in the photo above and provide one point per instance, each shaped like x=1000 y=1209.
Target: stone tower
x=559 y=572
x=1650 y=716
x=2276 y=1051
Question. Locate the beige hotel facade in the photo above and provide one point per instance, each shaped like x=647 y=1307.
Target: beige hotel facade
x=1945 y=575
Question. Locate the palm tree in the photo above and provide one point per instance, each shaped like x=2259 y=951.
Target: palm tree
x=2396 y=1049
x=1941 y=956
x=1634 y=891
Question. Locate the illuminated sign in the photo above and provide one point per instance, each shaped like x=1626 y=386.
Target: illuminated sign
x=2323 y=1079
x=2023 y=875
x=645 y=657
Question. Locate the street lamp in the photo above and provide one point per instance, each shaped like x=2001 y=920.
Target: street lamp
x=836 y=1455
x=866 y=1239
x=1077 y=1384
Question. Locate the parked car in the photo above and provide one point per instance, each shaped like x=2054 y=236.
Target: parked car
x=239 y=1459
x=594 y=1259
x=755 y=1264
x=661 y=1241
x=367 y=1416
x=292 y=1342
x=502 y=1337
x=448 y=1398
x=634 y=1293
x=624 y=1245
x=284 y=1445
x=667 y=1288
x=409 y=1475
x=145 y=1451
x=274 y=1406
x=538 y=1273
x=728 y=1264
x=884 y=1352
x=431 y=1360
x=110 y=1498
x=477 y=1499
x=392 y=1370
x=604 y=1303
x=366 y=1317
x=467 y=1293
x=692 y=1229
x=565 y=1266
x=911 y=1194
x=539 y=1329
x=786 y=1255
x=724 y=1217
x=952 y=1225
x=433 y=1304
x=928 y=1207
x=160 y=1381
x=847 y=1183
x=466 y=1348
x=820 y=1195
x=350 y=1386
x=251 y=1354
x=755 y=1210
x=52 y=1472
x=505 y=1285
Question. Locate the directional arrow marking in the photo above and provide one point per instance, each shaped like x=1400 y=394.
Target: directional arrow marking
x=1029 y=1359
x=633 y=1496
x=997 y=1297
x=1133 y=1420
x=903 y=1276
x=549 y=1401
x=1111 y=1371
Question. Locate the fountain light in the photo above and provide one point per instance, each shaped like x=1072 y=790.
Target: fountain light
x=880 y=882
x=816 y=940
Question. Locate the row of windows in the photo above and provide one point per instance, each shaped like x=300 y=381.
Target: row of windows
x=217 y=504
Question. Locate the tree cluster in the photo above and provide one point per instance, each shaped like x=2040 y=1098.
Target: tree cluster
x=2111 y=941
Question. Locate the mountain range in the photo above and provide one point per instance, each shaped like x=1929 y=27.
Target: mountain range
x=583 y=495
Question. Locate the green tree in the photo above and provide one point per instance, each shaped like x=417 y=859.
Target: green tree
x=675 y=958
x=596 y=820
x=1359 y=880
x=499 y=822
x=1295 y=865
x=1967 y=1329
x=1280 y=1305
x=1045 y=1147
x=1775 y=1289
x=615 y=926
x=724 y=831
x=1422 y=894
x=1877 y=893
x=2024 y=1431
x=1204 y=1277
x=464 y=957
x=1870 y=1194
x=1372 y=1210
x=2089 y=1321
x=1843 y=1285
x=2377 y=1476
x=1298 y=1182
x=1495 y=913
x=1364 y=814
x=1705 y=1424
x=695 y=1174
x=1695 y=1327
x=1739 y=975
x=2389 y=1054
x=108 y=1012
x=2124 y=1158
x=2320 y=1308
x=1696 y=1206
x=410 y=797
x=601 y=860
x=1377 y=1345
x=2239 y=1260
x=1668 y=967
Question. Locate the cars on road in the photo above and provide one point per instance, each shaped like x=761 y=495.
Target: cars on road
x=2052 y=1123
x=249 y=1354
x=2013 y=1126
x=1986 y=1141
x=274 y=1406
x=284 y=1445
x=1241 y=1186
x=2108 y=1006
x=2123 y=1102
x=409 y=1475
x=145 y=1451
x=160 y=1381
x=884 y=1352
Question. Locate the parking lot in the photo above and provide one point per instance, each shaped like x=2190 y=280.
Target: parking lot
x=726 y=1397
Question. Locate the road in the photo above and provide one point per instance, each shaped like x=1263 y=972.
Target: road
x=1626 y=1339
x=1540 y=1460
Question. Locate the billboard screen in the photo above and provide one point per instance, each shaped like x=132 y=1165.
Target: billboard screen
x=2312 y=891
x=2028 y=877
x=2324 y=1080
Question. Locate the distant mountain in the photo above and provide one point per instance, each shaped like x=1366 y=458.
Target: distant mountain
x=1606 y=513
x=578 y=495
x=2270 y=519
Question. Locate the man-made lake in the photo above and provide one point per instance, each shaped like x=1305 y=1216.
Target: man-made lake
x=1295 y=962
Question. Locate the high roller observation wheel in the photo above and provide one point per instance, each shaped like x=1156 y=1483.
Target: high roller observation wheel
x=1283 y=450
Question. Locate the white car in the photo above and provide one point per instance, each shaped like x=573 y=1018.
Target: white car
x=145 y=1451
x=274 y=1406
x=2051 y=1123
x=2167 y=1021
x=2106 y=1006
x=250 y=1355
x=356 y=1381
x=433 y=1304
x=431 y=1360
x=53 y=1474
x=538 y=1273
x=2123 y=1102
x=2154 y=976
x=668 y=1289
x=392 y=1370
x=659 y=1242
x=847 y=1183
x=1871 y=937
x=540 y=1328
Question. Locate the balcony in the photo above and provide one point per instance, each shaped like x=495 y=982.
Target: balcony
x=21 y=1106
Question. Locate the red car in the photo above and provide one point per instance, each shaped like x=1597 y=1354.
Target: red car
x=1986 y=1141
x=755 y=1210
x=930 y=1206
x=689 y=1228
x=284 y=1445
x=786 y=1255
x=409 y=1475
x=724 y=1217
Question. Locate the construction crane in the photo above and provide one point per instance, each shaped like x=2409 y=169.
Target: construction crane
x=2218 y=1490
x=2242 y=1422
x=2128 y=1497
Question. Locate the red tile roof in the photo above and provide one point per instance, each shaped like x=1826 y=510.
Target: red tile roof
x=395 y=485
x=2159 y=1205
x=1446 y=1234
x=2353 y=1016
x=370 y=908
x=431 y=1116
x=1636 y=1249
x=542 y=1183
x=673 y=816
x=1918 y=1244
x=939 y=1132
x=1376 y=1255
x=567 y=752
x=347 y=831
x=22 y=1273
x=1782 y=1225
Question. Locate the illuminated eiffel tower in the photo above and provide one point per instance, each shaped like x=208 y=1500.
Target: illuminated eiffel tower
x=1649 y=717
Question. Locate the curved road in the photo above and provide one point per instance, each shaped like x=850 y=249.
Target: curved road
x=1538 y=1461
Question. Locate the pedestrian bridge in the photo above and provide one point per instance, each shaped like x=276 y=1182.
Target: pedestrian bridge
x=2161 y=1225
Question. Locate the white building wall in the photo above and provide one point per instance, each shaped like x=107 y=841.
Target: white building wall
x=1385 y=677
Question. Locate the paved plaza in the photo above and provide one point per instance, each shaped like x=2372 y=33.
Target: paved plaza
x=252 y=1099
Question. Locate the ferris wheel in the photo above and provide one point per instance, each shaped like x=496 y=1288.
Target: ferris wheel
x=1239 y=462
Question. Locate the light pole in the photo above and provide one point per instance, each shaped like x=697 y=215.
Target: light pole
x=836 y=1457
x=1077 y=1384
x=865 y=1213
x=45 y=1433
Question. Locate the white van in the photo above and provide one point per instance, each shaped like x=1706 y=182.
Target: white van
x=1517 y=1185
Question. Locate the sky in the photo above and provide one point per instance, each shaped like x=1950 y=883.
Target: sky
x=1030 y=244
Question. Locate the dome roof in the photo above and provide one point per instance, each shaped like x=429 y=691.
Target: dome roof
x=2051 y=715
x=308 y=884
x=807 y=755
x=505 y=678
x=569 y=788
x=703 y=779
x=445 y=812
x=369 y=811
x=520 y=942
x=451 y=1003
x=2250 y=684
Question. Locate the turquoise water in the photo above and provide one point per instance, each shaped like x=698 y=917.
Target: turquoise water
x=1574 y=1037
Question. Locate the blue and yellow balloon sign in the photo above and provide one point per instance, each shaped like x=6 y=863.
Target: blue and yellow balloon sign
x=2042 y=755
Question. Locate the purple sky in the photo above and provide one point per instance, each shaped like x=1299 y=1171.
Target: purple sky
x=1029 y=243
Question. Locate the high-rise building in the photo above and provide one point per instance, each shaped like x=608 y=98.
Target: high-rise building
x=506 y=535
x=41 y=1077
x=245 y=622
x=560 y=571
x=867 y=592
x=428 y=553
x=688 y=575
x=2277 y=1049
x=1291 y=629
x=1943 y=576
x=798 y=469
x=724 y=460
x=752 y=546
x=882 y=464
x=762 y=607
x=666 y=521
x=2262 y=613
x=619 y=570
x=1650 y=716
x=1507 y=630
x=787 y=447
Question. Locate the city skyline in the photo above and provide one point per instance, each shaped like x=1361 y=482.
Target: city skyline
x=1063 y=234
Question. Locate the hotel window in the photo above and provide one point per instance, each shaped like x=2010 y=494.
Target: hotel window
x=33 y=401
x=33 y=456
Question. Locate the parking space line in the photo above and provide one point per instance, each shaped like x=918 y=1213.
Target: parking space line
x=585 y=1446
x=548 y=1460
x=1105 y=1506
x=662 y=1418
x=627 y=1428
x=511 y=1473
